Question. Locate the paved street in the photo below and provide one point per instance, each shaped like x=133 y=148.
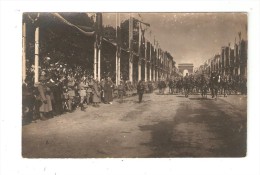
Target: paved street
x=161 y=126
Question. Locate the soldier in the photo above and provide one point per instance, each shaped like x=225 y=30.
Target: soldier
x=163 y=86
x=71 y=92
x=89 y=88
x=121 y=91
x=108 y=91
x=82 y=92
x=56 y=86
x=150 y=86
x=102 y=85
x=140 y=90
x=171 y=86
x=160 y=86
x=96 y=93
x=214 y=83
x=244 y=85
x=28 y=100
x=128 y=88
x=225 y=85
x=44 y=94
x=203 y=86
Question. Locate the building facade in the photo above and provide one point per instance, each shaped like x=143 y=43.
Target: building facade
x=231 y=61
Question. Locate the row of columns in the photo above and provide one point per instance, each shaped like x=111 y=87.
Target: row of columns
x=36 y=53
x=24 y=52
x=97 y=61
x=153 y=72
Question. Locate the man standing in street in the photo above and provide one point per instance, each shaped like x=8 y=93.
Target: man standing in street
x=140 y=90
x=108 y=91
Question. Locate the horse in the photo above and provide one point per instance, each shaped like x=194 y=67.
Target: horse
x=214 y=85
x=225 y=87
x=203 y=87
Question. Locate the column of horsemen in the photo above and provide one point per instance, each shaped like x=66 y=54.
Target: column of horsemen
x=214 y=85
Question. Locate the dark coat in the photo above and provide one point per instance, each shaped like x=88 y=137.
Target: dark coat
x=140 y=88
x=108 y=91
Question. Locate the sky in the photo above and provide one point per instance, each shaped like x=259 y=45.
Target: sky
x=190 y=37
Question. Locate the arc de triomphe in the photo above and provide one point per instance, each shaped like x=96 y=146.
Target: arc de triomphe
x=186 y=68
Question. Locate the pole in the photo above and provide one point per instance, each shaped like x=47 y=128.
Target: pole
x=95 y=60
x=145 y=66
x=24 y=52
x=99 y=58
x=139 y=53
x=99 y=41
x=154 y=73
x=139 y=71
x=157 y=73
x=130 y=48
x=150 y=78
x=116 y=54
x=150 y=72
x=36 y=55
x=119 y=52
x=119 y=63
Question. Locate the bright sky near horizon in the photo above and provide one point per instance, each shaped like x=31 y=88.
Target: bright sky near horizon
x=190 y=37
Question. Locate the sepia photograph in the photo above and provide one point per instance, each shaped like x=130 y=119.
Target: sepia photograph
x=134 y=84
x=129 y=87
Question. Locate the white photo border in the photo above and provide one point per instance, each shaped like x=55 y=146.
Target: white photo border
x=10 y=80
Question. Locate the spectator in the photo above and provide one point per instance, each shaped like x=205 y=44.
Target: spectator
x=44 y=92
x=108 y=91
x=96 y=93
x=121 y=90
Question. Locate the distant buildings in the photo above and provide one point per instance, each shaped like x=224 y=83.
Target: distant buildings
x=81 y=40
x=232 y=61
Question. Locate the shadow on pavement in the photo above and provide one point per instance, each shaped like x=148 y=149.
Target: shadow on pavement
x=180 y=96
x=200 y=98
x=208 y=132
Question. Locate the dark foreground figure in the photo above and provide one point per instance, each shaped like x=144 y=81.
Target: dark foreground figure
x=140 y=90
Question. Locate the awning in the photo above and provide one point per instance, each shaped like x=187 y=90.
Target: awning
x=83 y=29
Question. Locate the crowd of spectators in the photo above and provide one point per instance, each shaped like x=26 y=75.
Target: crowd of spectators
x=62 y=88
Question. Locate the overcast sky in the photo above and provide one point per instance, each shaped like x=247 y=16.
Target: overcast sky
x=190 y=37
